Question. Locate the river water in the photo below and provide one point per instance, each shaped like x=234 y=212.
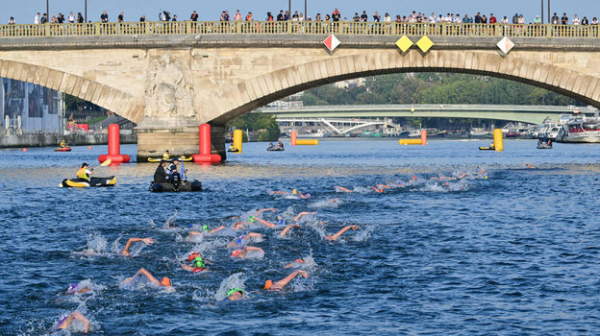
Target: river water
x=512 y=252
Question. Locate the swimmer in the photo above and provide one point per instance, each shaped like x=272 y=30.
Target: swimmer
x=242 y=240
x=205 y=230
x=297 y=261
x=287 y=229
x=198 y=263
x=164 y=282
x=303 y=213
x=479 y=170
x=263 y=210
x=147 y=241
x=243 y=252
x=235 y=294
x=341 y=189
x=68 y=320
x=341 y=232
x=264 y=222
x=462 y=176
x=269 y=285
x=528 y=165
x=378 y=190
x=383 y=186
x=76 y=289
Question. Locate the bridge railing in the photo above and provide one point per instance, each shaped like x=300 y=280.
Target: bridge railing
x=300 y=28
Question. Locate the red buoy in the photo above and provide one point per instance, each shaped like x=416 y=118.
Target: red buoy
x=114 y=147
x=205 y=155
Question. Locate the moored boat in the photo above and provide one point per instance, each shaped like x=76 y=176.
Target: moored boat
x=580 y=130
x=181 y=158
x=93 y=182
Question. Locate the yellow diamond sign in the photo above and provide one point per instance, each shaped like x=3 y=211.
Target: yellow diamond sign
x=404 y=43
x=425 y=44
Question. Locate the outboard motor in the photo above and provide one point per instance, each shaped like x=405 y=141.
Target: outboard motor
x=176 y=180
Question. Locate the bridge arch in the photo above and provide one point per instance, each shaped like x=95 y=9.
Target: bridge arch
x=253 y=93
x=102 y=95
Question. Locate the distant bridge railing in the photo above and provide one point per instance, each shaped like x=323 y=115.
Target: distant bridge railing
x=300 y=28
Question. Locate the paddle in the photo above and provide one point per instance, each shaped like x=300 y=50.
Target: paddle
x=103 y=164
x=183 y=170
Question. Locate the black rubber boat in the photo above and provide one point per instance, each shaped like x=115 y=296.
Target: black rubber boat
x=184 y=186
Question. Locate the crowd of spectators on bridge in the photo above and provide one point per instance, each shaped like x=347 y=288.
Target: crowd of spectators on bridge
x=338 y=20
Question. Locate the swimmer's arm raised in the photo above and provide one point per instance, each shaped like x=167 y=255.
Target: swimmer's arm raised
x=271 y=225
x=263 y=210
x=287 y=229
x=281 y=283
x=147 y=241
x=297 y=218
x=341 y=232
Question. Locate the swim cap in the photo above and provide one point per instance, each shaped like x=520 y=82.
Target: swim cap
x=72 y=289
x=204 y=227
x=239 y=241
x=251 y=219
x=199 y=262
x=294 y=191
x=193 y=255
x=328 y=236
x=165 y=282
x=235 y=253
x=307 y=195
x=281 y=222
x=268 y=284
x=234 y=290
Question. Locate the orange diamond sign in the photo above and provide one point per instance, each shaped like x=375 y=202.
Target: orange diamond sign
x=331 y=42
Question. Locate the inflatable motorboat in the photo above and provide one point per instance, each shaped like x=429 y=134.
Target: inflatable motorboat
x=544 y=146
x=181 y=158
x=275 y=148
x=233 y=150
x=486 y=148
x=93 y=182
x=63 y=149
x=176 y=187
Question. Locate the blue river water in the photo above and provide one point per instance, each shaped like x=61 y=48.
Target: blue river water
x=513 y=251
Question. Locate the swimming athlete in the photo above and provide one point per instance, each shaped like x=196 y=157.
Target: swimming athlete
x=147 y=241
x=337 y=235
x=341 y=189
x=297 y=261
x=235 y=294
x=68 y=320
x=165 y=282
x=281 y=283
x=244 y=239
x=303 y=213
x=205 y=230
x=479 y=170
x=263 y=210
x=243 y=252
x=287 y=229
x=377 y=189
x=198 y=263
x=528 y=165
x=76 y=289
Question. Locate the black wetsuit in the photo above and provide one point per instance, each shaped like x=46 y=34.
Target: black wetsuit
x=160 y=175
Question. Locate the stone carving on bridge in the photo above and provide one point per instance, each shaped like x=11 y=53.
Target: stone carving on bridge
x=169 y=92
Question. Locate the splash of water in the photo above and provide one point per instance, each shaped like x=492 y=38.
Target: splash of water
x=235 y=280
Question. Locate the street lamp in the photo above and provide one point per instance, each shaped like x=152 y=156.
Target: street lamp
x=542 y=21
x=549 y=20
x=48 y=9
x=86 y=11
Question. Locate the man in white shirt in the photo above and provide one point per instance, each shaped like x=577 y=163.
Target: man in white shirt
x=432 y=18
x=36 y=19
x=576 y=20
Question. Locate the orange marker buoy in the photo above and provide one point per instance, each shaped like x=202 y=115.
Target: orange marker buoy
x=24 y=149
x=89 y=147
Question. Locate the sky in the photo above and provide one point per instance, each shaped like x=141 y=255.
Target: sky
x=24 y=10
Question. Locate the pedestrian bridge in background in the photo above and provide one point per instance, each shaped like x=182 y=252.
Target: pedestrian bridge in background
x=169 y=77
x=517 y=113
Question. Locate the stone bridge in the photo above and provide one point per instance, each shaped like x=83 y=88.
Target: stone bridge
x=171 y=80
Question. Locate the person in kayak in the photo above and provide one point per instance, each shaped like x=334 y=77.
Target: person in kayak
x=160 y=175
x=166 y=155
x=269 y=285
x=164 y=282
x=63 y=144
x=341 y=232
x=147 y=241
x=68 y=320
x=84 y=172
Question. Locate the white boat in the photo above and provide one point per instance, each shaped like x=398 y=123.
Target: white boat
x=580 y=129
x=475 y=132
x=415 y=133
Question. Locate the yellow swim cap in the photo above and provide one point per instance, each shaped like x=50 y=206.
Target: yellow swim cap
x=294 y=191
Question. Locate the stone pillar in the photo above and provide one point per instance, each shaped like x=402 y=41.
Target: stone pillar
x=156 y=136
x=217 y=135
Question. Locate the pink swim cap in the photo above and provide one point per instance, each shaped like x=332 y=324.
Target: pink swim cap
x=235 y=253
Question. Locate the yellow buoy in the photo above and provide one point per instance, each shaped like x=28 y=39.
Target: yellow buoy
x=307 y=142
x=498 y=141
x=237 y=140
x=410 y=141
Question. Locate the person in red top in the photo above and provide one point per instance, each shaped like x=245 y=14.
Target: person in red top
x=493 y=19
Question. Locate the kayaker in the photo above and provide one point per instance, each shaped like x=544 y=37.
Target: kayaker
x=164 y=282
x=160 y=175
x=166 y=155
x=68 y=320
x=339 y=233
x=84 y=173
x=269 y=285
x=63 y=144
x=280 y=144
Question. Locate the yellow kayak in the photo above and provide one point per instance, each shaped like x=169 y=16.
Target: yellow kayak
x=181 y=158
x=93 y=182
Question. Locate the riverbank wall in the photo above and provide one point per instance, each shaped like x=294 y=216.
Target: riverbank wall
x=44 y=139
